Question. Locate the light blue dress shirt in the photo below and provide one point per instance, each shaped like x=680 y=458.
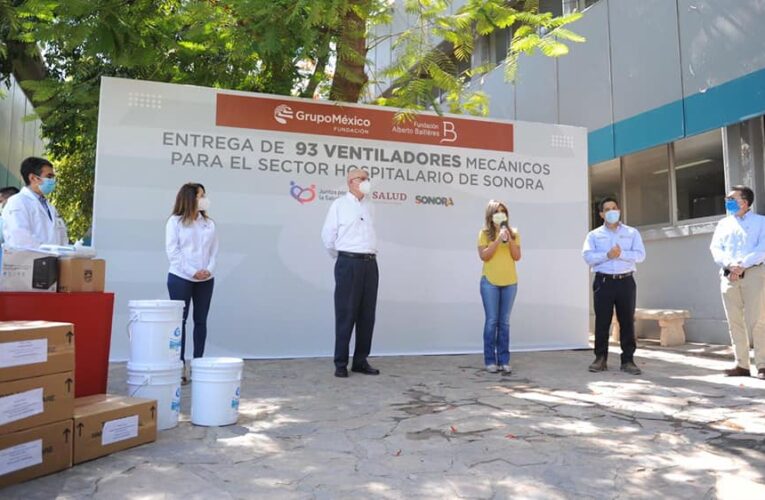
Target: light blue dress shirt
x=739 y=241
x=601 y=240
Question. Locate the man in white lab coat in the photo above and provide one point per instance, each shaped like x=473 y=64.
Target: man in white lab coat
x=29 y=220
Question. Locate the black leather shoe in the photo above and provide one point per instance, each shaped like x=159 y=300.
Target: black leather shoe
x=631 y=368
x=599 y=365
x=737 y=372
x=366 y=370
x=341 y=372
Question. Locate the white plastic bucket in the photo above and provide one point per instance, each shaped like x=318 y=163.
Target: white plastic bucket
x=154 y=329
x=160 y=382
x=215 y=388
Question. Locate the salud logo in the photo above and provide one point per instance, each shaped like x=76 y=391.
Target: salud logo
x=282 y=113
x=389 y=197
x=301 y=194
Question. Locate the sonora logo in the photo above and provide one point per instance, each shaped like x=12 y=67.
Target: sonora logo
x=282 y=112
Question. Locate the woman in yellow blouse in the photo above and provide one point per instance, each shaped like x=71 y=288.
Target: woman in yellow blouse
x=499 y=247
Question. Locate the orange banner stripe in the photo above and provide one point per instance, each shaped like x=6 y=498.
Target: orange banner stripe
x=309 y=117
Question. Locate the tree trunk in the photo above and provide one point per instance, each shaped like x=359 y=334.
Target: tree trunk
x=350 y=75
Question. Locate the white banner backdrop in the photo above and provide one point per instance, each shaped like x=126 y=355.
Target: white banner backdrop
x=272 y=166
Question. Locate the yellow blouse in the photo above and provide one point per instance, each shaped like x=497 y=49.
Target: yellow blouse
x=500 y=269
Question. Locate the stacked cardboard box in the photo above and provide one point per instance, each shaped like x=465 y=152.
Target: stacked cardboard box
x=36 y=399
x=43 y=428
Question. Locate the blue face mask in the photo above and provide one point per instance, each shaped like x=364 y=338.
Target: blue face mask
x=612 y=216
x=731 y=206
x=48 y=185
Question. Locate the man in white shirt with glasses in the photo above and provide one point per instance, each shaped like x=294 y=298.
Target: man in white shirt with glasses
x=738 y=247
x=349 y=235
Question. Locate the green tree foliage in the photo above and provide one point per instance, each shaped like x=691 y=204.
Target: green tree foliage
x=59 y=49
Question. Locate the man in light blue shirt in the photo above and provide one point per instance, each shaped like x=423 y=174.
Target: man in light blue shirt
x=738 y=247
x=611 y=251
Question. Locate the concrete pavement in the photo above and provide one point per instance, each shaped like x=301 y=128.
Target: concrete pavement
x=441 y=427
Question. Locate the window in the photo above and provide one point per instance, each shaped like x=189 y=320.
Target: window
x=646 y=179
x=642 y=182
x=605 y=180
x=700 y=176
x=492 y=49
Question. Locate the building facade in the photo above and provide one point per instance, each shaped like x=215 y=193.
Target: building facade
x=19 y=136
x=672 y=93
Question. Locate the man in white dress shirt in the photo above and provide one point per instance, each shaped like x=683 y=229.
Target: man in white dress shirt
x=28 y=219
x=738 y=247
x=349 y=235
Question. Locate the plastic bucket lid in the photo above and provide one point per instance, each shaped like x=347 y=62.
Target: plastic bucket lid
x=155 y=304
x=171 y=366
x=217 y=363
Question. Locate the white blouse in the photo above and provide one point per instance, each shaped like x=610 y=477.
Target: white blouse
x=191 y=248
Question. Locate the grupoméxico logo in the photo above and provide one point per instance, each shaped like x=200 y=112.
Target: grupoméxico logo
x=282 y=113
x=301 y=194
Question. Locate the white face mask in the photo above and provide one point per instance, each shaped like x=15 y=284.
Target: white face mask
x=365 y=187
x=499 y=218
x=203 y=204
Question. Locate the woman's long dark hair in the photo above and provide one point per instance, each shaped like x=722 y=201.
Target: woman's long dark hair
x=186 y=202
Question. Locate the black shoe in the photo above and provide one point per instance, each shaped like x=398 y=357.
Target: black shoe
x=366 y=369
x=599 y=365
x=341 y=372
x=737 y=372
x=631 y=368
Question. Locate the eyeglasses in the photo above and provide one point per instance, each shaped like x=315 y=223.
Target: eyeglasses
x=360 y=179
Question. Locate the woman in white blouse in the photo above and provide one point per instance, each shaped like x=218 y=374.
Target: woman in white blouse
x=192 y=247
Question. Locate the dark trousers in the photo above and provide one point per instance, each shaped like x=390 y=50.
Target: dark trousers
x=609 y=294
x=200 y=292
x=356 y=283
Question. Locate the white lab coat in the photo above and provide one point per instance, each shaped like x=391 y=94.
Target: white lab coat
x=26 y=223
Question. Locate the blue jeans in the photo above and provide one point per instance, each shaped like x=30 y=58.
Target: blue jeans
x=201 y=294
x=497 y=304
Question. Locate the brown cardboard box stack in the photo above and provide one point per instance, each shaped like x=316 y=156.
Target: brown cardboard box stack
x=43 y=429
x=36 y=399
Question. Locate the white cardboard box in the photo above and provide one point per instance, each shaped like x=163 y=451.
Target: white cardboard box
x=28 y=271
